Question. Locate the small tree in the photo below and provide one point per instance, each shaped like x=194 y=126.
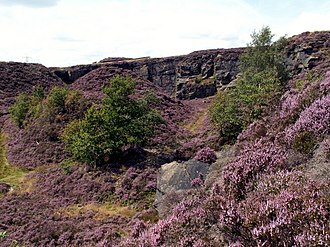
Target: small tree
x=260 y=84
x=19 y=110
x=118 y=123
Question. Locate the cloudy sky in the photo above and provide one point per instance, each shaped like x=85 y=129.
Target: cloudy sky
x=68 y=32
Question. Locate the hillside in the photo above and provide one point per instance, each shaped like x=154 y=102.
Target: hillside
x=270 y=187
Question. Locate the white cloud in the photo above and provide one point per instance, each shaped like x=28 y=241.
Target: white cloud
x=75 y=32
x=30 y=3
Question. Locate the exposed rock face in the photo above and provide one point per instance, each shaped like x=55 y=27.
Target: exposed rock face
x=200 y=74
x=174 y=178
x=318 y=168
x=308 y=51
x=196 y=75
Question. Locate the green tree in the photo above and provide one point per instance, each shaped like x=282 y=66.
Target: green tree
x=19 y=110
x=120 y=122
x=262 y=77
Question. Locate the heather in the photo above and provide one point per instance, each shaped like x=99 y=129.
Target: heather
x=76 y=207
x=36 y=141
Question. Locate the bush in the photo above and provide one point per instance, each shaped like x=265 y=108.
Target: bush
x=19 y=110
x=56 y=102
x=119 y=123
x=206 y=155
x=260 y=84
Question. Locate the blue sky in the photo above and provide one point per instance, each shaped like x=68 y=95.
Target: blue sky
x=69 y=32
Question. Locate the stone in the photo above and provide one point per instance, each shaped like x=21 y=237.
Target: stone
x=175 y=178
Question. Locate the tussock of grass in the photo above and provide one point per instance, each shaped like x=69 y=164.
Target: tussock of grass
x=101 y=211
x=9 y=174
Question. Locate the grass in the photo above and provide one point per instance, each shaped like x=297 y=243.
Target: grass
x=101 y=211
x=9 y=174
x=197 y=122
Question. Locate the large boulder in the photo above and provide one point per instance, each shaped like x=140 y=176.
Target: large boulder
x=174 y=179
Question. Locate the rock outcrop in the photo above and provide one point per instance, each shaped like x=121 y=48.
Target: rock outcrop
x=308 y=51
x=196 y=75
x=174 y=179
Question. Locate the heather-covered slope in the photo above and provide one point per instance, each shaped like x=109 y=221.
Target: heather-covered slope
x=271 y=188
x=274 y=192
x=16 y=78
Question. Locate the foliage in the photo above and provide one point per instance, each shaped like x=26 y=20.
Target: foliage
x=120 y=122
x=38 y=142
x=59 y=101
x=19 y=110
x=27 y=106
x=260 y=84
x=55 y=103
x=263 y=54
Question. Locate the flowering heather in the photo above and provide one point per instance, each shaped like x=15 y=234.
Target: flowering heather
x=185 y=227
x=254 y=160
x=136 y=185
x=206 y=155
x=291 y=101
x=287 y=209
x=197 y=182
x=314 y=119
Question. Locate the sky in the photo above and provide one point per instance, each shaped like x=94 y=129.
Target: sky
x=71 y=32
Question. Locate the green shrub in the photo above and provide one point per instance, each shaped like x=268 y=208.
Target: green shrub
x=226 y=115
x=120 y=122
x=259 y=86
x=19 y=110
x=74 y=102
x=56 y=100
x=38 y=93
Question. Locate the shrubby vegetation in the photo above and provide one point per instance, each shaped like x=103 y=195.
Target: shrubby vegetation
x=59 y=101
x=20 y=109
x=259 y=85
x=120 y=122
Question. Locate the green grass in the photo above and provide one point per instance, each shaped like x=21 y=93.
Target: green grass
x=9 y=174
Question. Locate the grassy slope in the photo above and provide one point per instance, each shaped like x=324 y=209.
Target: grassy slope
x=9 y=174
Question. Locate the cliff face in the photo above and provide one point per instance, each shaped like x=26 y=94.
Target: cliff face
x=308 y=52
x=200 y=74
x=196 y=75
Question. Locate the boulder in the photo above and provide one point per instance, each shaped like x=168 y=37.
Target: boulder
x=174 y=179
